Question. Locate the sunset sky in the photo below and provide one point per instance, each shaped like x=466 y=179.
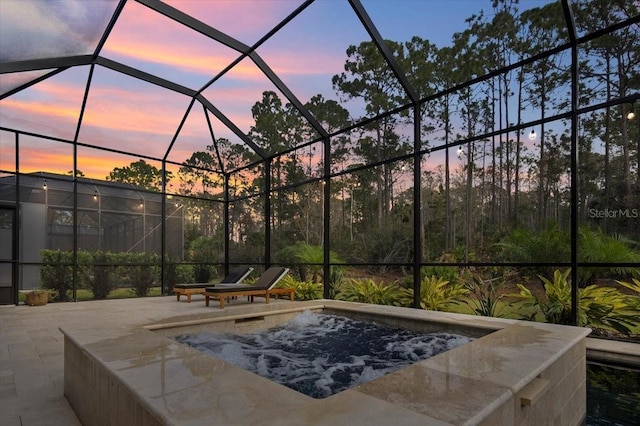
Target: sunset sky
x=123 y=113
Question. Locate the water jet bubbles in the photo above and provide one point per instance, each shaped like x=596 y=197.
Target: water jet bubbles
x=321 y=355
x=261 y=366
x=368 y=374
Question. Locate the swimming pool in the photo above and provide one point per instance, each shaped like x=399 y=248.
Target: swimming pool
x=613 y=395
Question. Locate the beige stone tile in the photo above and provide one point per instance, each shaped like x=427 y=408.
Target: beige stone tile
x=10 y=419
x=50 y=415
x=7 y=387
x=23 y=351
x=510 y=357
x=573 y=411
x=550 y=405
x=449 y=397
x=153 y=367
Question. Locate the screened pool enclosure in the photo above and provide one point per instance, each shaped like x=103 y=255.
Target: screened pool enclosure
x=487 y=153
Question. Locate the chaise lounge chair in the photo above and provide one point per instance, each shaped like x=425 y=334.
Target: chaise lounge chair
x=263 y=287
x=235 y=276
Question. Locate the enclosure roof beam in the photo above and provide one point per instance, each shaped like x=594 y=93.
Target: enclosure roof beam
x=196 y=25
x=375 y=35
x=141 y=75
x=45 y=64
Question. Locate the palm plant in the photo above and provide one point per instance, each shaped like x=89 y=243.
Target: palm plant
x=308 y=260
x=595 y=246
x=550 y=245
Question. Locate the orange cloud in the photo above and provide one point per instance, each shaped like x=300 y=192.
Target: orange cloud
x=99 y=165
x=48 y=98
x=41 y=108
x=57 y=157
x=116 y=109
x=35 y=160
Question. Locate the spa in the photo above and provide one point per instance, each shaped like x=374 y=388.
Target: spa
x=512 y=372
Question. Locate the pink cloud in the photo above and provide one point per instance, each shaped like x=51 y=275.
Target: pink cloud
x=145 y=119
x=245 y=20
x=185 y=57
x=305 y=62
x=136 y=37
x=120 y=116
x=50 y=156
x=48 y=98
x=41 y=108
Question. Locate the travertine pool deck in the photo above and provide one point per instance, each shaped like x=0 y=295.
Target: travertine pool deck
x=32 y=353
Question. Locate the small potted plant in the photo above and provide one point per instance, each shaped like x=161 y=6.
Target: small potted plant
x=37 y=297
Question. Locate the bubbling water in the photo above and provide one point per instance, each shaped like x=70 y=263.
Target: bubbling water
x=321 y=355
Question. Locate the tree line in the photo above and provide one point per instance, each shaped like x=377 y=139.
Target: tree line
x=472 y=193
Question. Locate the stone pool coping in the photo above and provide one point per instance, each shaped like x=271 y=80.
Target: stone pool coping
x=483 y=382
x=613 y=352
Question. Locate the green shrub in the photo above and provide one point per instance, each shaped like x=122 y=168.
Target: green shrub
x=633 y=300
x=184 y=274
x=436 y=294
x=202 y=273
x=101 y=282
x=599 y=307
x=202 y=252
x=368 y=291
x=556 y=306
x=484 y=292
x=142 y=272
x=84 y=270
x=170 y=272
x=102 y=272
x=305 y=290
x=307 y=260
x=449 y=273
x=606 y=308
x=56 y=272
x=528 y=246
x=597 y=247
x=177 y=273
x=308 y=291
